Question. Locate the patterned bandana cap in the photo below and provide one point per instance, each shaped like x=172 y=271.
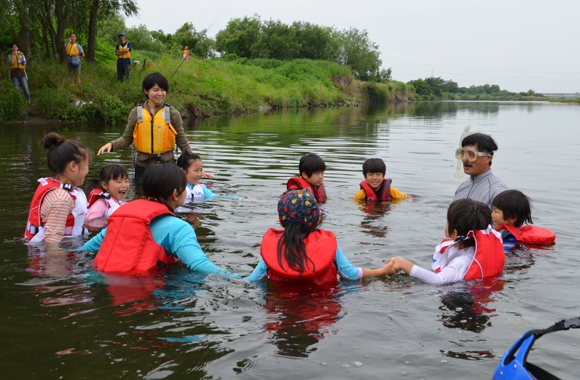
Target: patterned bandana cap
x=298 y=206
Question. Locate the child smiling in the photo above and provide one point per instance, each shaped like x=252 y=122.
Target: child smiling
x=376 y=187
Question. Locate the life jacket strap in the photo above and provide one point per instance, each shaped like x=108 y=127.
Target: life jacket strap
x=140 y=113
x=167 y=114
x=33 y=229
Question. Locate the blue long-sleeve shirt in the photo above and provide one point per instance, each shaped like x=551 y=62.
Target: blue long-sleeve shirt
x=177 y=237
x=345 y=268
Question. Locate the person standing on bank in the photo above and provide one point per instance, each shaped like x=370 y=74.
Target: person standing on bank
x=74 y=53
x=17 y=73
x=154 y=127
x=123 y=54
x=476 y=152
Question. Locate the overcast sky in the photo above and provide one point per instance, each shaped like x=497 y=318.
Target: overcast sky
x=519 y=45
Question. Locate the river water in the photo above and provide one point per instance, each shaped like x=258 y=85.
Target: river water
x=60 y=319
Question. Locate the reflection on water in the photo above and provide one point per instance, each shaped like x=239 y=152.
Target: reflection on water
x=61 y=318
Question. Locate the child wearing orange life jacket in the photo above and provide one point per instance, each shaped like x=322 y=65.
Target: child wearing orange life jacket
x=107 y=193
x=471 y=250
x=302 y=252
x=311 y=169
x=59 y=207
x=376 y=187
x=145 y=235
x=511 y=209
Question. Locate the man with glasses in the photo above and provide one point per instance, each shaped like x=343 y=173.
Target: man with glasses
x=476 y=152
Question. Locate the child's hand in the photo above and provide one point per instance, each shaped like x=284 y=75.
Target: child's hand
x=206 y=175
x=389 y=267
x=410 y=198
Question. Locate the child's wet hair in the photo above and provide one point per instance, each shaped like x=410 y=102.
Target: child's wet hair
x=514 y=204
x=186 y=159
x=311 y=163
x=374 y=165
x=466 y=215
x=153 y=79
x=60 y=152
x=108 y=172
x=159 y=181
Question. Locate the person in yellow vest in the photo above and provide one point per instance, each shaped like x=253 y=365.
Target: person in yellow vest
x=17 y=74
x=74 y=53
x=186 y=53
x=123 y=54
x=154 y=128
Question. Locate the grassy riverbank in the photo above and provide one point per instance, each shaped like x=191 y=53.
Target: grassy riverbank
x=200 y=88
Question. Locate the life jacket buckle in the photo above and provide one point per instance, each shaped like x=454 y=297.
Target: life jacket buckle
x=33 y=229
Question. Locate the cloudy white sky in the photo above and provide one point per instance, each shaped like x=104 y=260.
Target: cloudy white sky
x=519 y=45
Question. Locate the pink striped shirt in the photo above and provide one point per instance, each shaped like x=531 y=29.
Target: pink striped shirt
x=56 y=207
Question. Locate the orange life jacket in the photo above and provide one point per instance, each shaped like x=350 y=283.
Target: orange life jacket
x=385 y=194
x=489 y=256
x=128 y=246
x=125 y=50
x=112 y=203
x=530 y=234
x=298 y=183
x=154 y=135
x=75 y=220
x=320 y=248
x=15 y=59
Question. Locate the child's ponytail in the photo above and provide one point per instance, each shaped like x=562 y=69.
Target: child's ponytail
x=60 y=152
x=299 y=214
x=466 y=215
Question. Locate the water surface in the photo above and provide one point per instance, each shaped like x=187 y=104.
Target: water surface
x=60 y=319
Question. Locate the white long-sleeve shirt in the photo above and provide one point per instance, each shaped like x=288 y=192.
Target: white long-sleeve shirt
x=454 y=264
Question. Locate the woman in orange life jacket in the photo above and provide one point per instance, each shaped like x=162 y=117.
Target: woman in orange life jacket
x=17 y=73
x=302 y=252
x=471 y=250
x=154 y=128
x=145 y=235
x=511 y=209
x=59 y=207
x=106 y=194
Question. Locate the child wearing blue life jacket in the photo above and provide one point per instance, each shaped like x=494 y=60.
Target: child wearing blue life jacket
x=302 y=252
x=311 y=169
x=59 y=207
x=511 y=209
x=376 y=187
x=471 y=250
x=145 y=235
x=107 y=193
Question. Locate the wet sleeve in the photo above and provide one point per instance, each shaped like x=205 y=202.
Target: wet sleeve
x=94 y=244
x=183 y=243
x=345 y=268
x=56 y=207
x=396 y=194
x=451 y=273
x=360 y=195
x=127 y=138
x=208 y=194
x=180 y=139
x=259 y=273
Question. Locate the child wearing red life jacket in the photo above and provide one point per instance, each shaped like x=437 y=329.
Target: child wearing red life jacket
x=145 y=235
x=107 y=193
x=59 y=207
x=302 y=252
x=311 y=169
x=511 y=209
x=375 y=187
x=471 y=250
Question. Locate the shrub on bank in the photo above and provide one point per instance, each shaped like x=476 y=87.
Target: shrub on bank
x=12 y=102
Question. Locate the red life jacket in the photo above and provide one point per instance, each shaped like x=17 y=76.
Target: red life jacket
x=128 y=245
x=531 y=234
x=320 y=248
x=385 y=194
x=298 y=183
x=489 y=256
x=112 y=203
x=74 y=221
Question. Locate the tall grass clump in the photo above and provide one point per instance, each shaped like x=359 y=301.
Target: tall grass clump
x=12 y=102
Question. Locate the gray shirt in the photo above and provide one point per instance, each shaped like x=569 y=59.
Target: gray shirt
x=482 y=188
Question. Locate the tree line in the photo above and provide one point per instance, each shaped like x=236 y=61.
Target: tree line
x=438 y=86
x=42 y=26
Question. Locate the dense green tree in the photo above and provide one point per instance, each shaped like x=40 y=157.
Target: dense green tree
x=197 y=42
x=494 y=89
x=437 y=84
x=450 y=86
x=360 y=53
x=421 y=87
x=239 y=36
x=316 y=42
x=277 y=40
